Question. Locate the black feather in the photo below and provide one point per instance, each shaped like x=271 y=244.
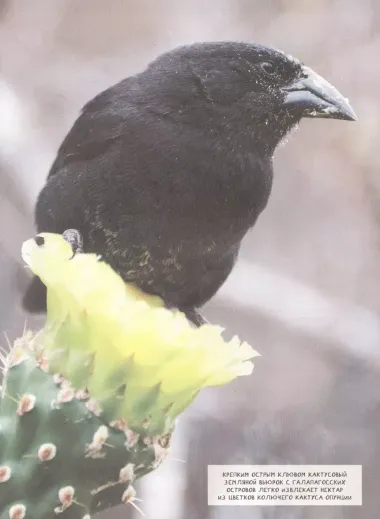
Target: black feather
x=164 y=173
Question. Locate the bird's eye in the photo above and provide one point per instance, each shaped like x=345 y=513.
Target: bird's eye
x=268 y=68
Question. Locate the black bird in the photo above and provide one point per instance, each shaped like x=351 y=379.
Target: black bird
x=165 y=172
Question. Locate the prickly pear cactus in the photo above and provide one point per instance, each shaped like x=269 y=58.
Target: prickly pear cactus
x=89 y=404
x=58 y=456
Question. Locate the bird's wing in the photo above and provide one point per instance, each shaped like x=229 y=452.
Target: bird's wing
x=89 y=138
x=100 y=124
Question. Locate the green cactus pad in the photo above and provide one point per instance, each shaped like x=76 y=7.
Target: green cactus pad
x=57 y=457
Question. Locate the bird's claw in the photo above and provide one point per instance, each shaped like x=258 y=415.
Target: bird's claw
x=74 y=238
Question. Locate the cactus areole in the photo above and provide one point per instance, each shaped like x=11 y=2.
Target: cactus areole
x=88 y=405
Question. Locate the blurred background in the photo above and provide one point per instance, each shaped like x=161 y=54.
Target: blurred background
x=305 y=293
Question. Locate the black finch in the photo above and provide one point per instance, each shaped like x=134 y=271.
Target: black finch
x=164 y=173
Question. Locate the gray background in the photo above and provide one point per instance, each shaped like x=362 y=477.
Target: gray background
x=305 y=293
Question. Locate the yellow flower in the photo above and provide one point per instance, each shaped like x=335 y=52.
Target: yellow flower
x=138 y=360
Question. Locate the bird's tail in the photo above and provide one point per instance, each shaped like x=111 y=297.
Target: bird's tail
x=34 y=300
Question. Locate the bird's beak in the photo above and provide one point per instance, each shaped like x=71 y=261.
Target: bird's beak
x=313 y=96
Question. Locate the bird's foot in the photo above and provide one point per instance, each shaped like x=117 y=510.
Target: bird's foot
x=74 y=238
x=194 y=316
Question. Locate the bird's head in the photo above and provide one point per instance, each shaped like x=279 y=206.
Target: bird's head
x=246 y=84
